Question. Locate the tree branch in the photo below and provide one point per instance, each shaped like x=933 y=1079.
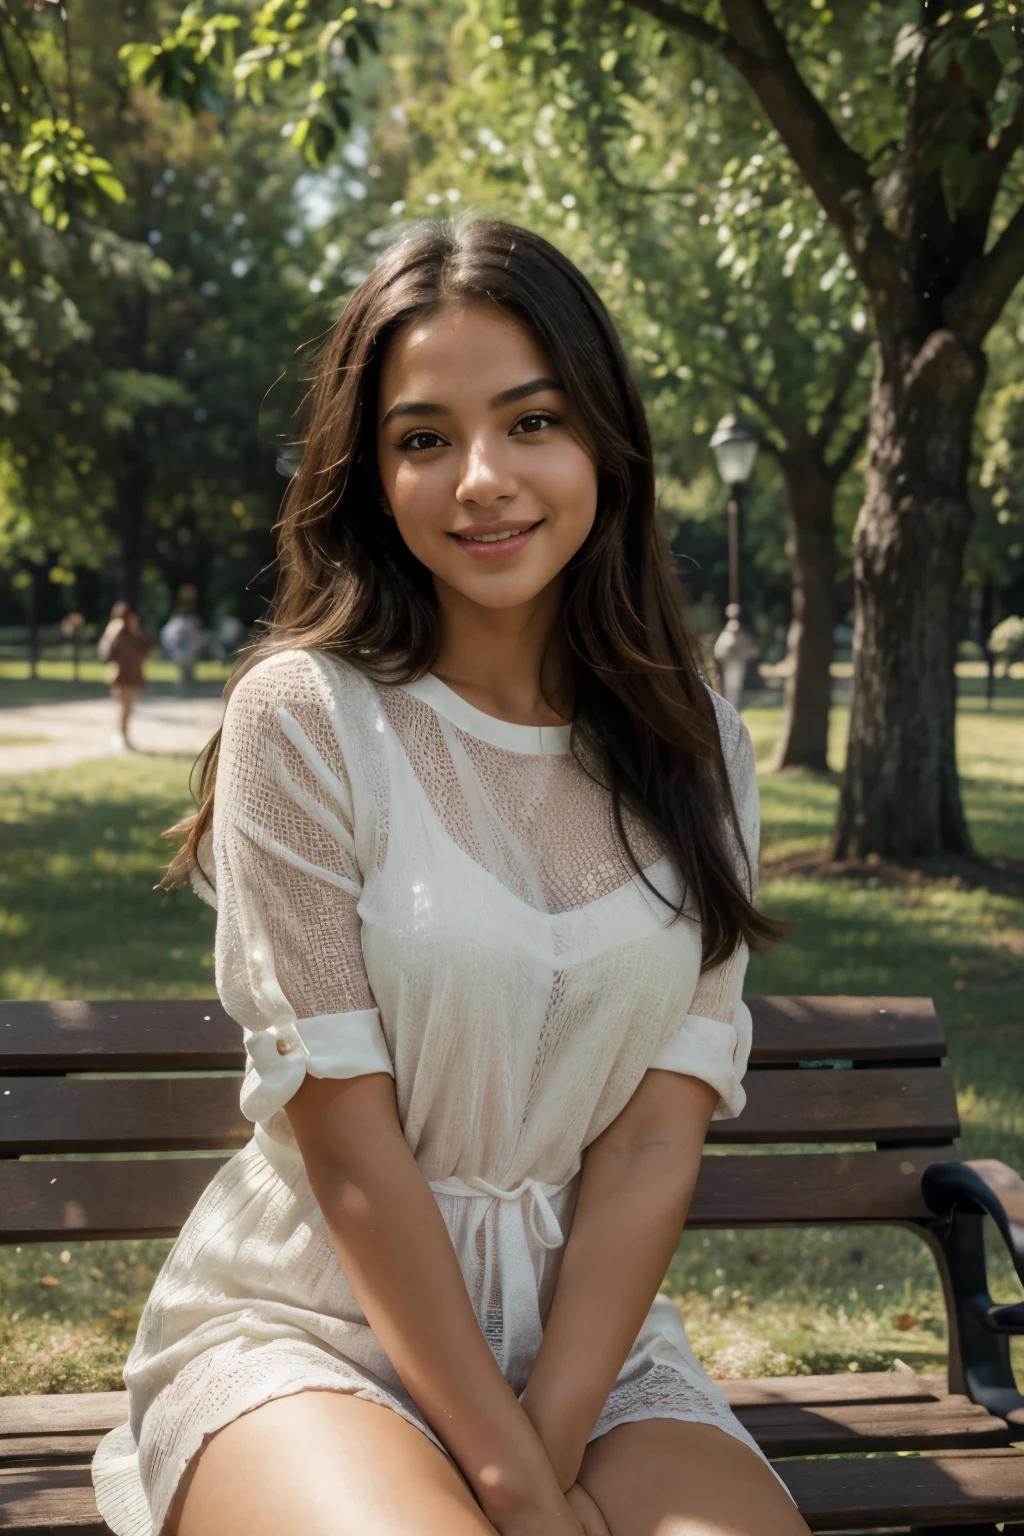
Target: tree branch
x=672 y=15
x=1011 y=139
x=5 y=59
x=838 y=176
x=33 y=65
x=978 y=300
x=845 y=377
x=841 y=463
x=750 y=387
x=72 y=112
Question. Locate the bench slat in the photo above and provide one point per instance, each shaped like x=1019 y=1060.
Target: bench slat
x=833 y=1495
x=965 y=1487
x=202 y=1113
x=196 y=1035
x=831 y=1428
x=780 y=1429
x=898 y=1386
x=74 y=1114
x=42 y=1201
x=58 y=1413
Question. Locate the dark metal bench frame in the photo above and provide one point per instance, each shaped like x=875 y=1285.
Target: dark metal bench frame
x=868 y=1071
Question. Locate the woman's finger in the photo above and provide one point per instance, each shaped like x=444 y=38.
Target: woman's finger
x=589 y=1515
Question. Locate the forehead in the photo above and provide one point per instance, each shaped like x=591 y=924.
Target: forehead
x=459 y=345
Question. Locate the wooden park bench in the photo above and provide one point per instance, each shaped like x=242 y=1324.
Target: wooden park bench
x=896 y=1100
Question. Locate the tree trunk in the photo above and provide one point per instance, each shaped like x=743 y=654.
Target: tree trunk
x=130 y=517
x=901 y=794
x=811 y=493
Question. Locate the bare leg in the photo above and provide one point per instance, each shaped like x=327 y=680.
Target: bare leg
x=323 y=1464
x=128 y=697
x=663 y=1477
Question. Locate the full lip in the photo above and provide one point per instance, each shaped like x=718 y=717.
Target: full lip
x=520 y=530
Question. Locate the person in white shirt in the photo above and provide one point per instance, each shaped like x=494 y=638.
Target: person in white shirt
x=483 y=848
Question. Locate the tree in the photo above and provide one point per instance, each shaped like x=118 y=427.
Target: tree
x=729 y=288
x=923 y=196
x=133 y=436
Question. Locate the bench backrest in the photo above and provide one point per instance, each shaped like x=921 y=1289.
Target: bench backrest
x=858 y=1084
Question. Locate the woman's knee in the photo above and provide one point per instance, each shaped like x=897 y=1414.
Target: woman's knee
x=323 y=1464
x=667 y=1477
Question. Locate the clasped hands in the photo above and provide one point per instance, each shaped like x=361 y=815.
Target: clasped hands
x=576 y=1514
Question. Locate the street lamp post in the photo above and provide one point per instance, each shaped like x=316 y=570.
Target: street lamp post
x=735 y=448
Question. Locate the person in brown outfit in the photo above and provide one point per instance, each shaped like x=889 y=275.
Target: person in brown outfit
x=124 y=646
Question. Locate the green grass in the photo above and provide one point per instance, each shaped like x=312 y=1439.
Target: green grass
x=80 y=851
x=55 y=683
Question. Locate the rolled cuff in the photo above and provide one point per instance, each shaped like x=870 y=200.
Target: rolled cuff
x=330 y=1045
x=715 y=1052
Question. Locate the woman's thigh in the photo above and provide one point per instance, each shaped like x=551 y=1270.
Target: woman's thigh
x=323 y=1464
x=664 y=1477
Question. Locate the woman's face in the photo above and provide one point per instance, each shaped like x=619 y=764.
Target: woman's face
x=481 y=457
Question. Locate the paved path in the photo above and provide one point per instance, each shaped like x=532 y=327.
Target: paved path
x=83 y=729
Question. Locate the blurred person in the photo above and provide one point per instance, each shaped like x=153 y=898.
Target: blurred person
x=183 y=637
x=228 y=635
x=483 y=849
x=124 y=647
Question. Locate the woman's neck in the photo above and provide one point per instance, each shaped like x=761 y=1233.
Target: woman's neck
x=502 y=660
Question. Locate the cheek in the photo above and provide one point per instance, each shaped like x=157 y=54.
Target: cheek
x=568 y=483
x=418 y=496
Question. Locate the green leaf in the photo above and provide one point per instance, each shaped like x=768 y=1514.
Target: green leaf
x=1004 y=44
x=110 y=187
x=981 y=68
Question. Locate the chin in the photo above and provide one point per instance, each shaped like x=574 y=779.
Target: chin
x=507 y=593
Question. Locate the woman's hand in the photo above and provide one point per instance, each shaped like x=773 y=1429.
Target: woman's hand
x=583 y=1506
x=561 y=1520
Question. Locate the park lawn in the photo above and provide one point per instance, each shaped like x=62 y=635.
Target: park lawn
x=81 y=852
x=55 y=683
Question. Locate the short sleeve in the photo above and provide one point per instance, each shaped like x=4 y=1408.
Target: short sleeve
x=713 y=1042
x=288 y=951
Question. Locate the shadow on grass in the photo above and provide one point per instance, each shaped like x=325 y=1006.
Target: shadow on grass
x=81 y=854
x=962 y=948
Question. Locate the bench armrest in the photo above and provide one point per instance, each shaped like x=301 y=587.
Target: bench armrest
x=988 y=1188
x=961 y=1195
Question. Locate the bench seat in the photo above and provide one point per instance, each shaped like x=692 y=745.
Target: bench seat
x=967 y=1474
x=858 y=1087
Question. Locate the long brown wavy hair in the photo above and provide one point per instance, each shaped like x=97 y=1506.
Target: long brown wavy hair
x=349 y=586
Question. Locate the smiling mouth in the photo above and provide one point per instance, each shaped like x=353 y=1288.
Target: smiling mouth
x=495 y=538
x=490 y=543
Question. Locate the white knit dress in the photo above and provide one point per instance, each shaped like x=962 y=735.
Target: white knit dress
x=407 y=885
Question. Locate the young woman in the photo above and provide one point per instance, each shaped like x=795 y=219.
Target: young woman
x=483 y=848
x=124 y=647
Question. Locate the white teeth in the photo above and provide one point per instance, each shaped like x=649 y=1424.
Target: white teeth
x=491 y=538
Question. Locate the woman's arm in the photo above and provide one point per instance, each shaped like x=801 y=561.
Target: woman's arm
x=635 y=1188
x=396 y=1253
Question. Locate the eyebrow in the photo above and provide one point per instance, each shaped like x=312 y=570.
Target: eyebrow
x=506 y=397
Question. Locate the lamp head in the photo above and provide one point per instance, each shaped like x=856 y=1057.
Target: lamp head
x=735 y=448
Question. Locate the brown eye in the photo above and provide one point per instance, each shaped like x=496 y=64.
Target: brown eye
x=535 y=422
x=419 y=442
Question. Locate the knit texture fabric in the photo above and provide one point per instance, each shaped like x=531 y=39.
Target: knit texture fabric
x=405 y=884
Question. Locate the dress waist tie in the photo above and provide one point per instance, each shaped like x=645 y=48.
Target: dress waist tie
x=521 y=1327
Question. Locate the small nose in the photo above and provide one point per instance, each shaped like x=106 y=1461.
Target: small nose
x=485 y=479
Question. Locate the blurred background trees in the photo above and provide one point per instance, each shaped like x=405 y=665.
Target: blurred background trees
x=809 y=214
x=145 y=318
